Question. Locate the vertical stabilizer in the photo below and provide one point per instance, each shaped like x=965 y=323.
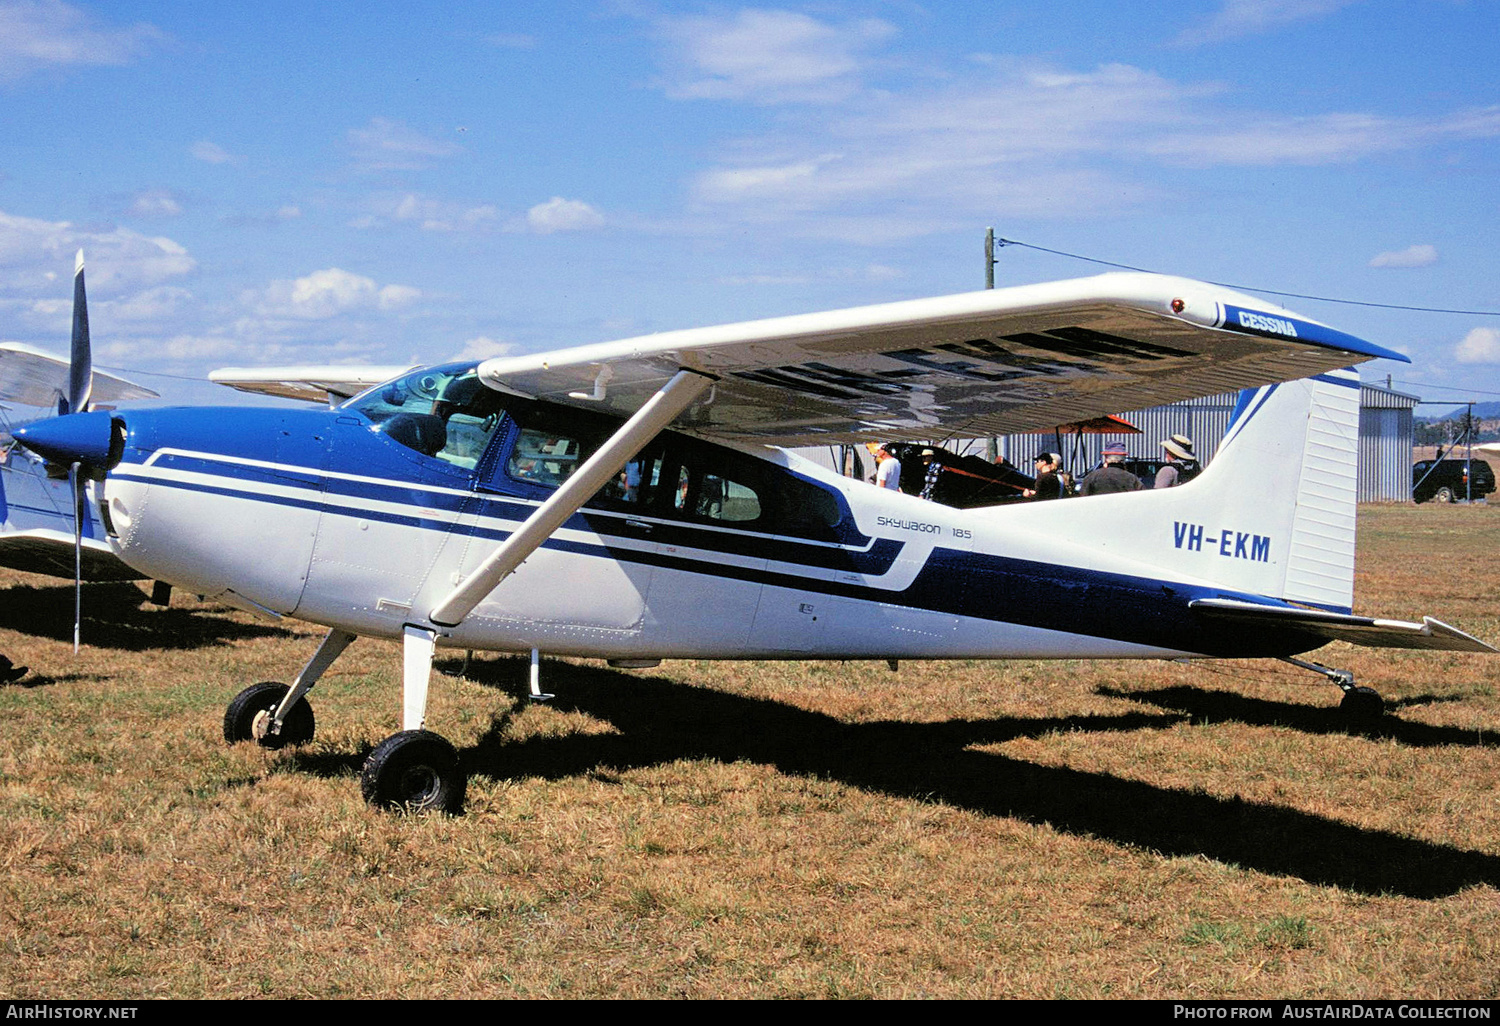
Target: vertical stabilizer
x=1273 y=515
x=1301 y=439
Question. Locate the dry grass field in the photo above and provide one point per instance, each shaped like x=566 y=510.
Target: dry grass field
x=978 y=830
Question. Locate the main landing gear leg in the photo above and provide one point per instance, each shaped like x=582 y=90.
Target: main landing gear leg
x=416 y=769
x=536 y=692
x=1360 y=704
x=273 y=715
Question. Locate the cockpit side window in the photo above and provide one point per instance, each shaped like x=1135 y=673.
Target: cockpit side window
x=675 y=477
x=446 y=413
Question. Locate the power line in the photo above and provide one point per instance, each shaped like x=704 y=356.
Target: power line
x=1252 y=288
x=153 y=374
x=1445 y=388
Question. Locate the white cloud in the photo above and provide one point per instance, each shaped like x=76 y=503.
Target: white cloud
x=733 y=183
x=1482 y=345
x=766 y=56
x=1322 y=139
x=148 y=306
x=483 y=347
x=394 y=297
x=384 y=144
x=154 y=203
x=562 y=215
x=1249 y=17
x=428 y=214
x=36 y=254
x=1411 y=256
x=1012 y=138
x=36 y=34
x=327 y=293
x=212 y=153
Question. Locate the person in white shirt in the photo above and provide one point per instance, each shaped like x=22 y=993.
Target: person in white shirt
x=888 y=475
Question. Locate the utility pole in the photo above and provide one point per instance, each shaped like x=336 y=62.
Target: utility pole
x=991 y=444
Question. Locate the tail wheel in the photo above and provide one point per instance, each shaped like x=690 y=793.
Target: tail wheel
x=248 y=717
x=415 y=770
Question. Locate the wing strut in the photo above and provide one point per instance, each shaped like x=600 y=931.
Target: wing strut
x=660 y=410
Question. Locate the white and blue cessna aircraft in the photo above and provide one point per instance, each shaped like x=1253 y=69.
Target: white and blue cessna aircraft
x=631 y=501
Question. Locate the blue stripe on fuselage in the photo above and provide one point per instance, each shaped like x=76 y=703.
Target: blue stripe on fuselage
x=1138 y=610
x=869 y=556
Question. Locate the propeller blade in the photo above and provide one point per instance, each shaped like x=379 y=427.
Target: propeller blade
x=76 y=483
x=81 y=369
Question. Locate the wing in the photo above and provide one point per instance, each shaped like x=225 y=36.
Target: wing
x=328 y=384
x=982 y=363
x=43 y=551
x=34 y=377
x=1357 y=630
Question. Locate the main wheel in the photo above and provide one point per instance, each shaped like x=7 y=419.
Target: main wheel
x=248 y=717
x=1362 y=704
x=415 y=770
x=1443 y=494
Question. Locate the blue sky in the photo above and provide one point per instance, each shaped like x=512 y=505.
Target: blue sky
x=377 y=182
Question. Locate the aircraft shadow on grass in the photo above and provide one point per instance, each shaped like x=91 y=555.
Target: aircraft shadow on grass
x=661 y=721
x=1201 y=705
x=116 y=615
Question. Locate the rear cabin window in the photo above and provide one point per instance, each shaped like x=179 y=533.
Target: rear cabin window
x=686 y=479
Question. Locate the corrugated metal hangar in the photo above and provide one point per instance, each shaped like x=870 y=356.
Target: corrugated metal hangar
x=1385 y=438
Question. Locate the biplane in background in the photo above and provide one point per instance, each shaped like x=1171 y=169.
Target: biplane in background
x=42 y=529
x=632 y=501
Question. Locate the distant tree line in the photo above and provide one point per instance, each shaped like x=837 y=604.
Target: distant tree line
x=1453 y=428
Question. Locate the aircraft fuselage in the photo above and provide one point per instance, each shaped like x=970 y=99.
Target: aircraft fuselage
x=699 y=550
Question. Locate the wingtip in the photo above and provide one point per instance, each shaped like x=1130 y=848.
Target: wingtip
x=78 y=263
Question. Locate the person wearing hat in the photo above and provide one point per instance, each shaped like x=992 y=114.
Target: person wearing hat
x=934 y=472
x=1112 y=477
x=1183 y=465
x=888 y=475
x=1048 y=484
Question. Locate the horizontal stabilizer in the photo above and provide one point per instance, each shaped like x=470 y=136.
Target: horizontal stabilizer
x=1357 y=630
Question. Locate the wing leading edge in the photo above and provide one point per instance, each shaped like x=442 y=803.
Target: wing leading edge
x=993 y=362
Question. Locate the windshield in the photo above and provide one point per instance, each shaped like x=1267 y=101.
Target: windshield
x=444 y=412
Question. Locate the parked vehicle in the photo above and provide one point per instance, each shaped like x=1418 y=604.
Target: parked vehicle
x=1451 y=480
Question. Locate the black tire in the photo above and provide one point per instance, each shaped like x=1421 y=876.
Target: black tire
x=239 y=717
x=1362 y=705
x=1443 y=494
x=415 y=770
